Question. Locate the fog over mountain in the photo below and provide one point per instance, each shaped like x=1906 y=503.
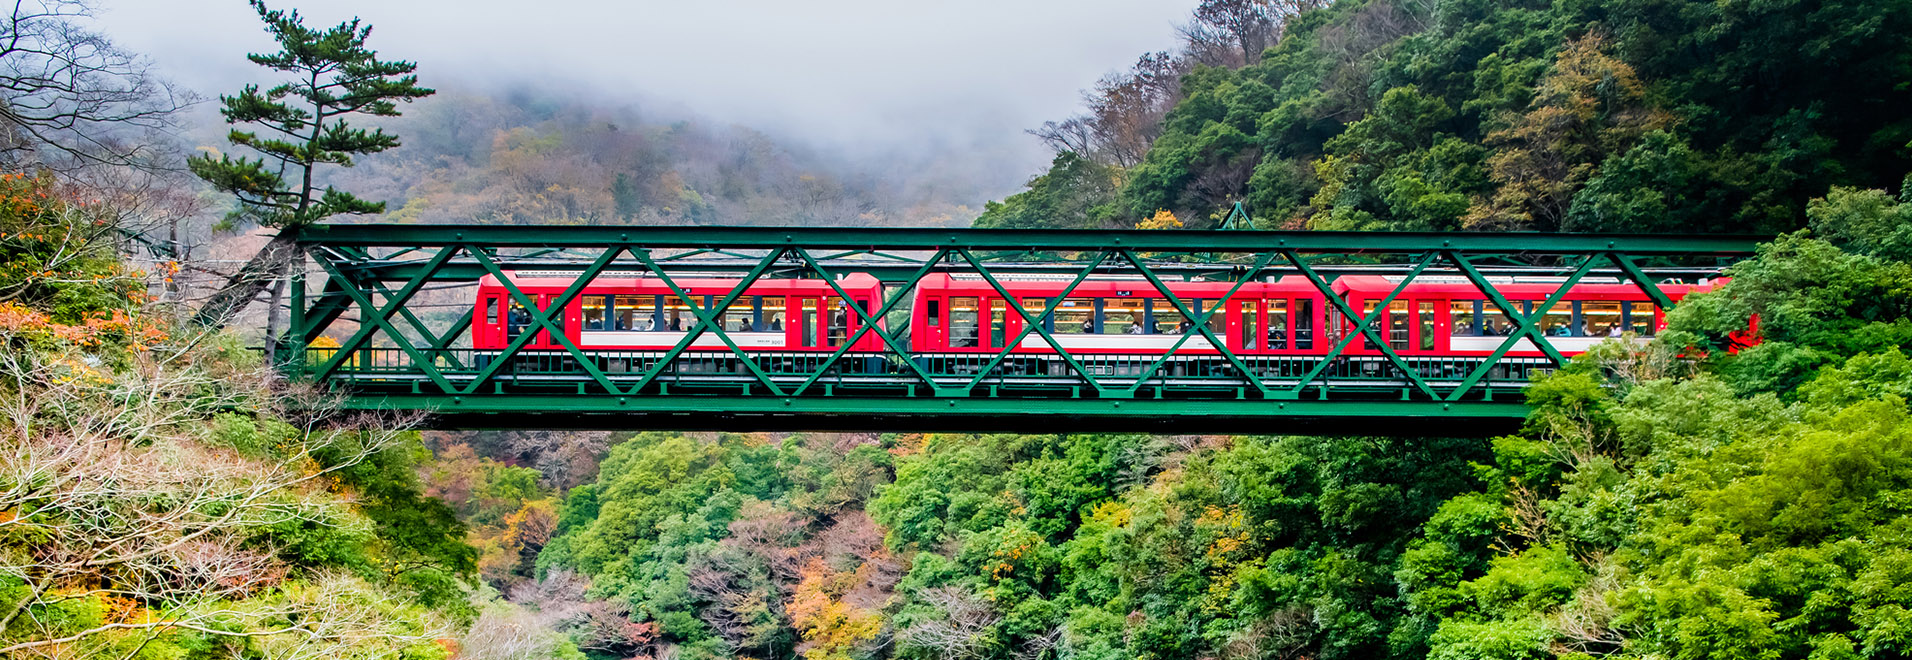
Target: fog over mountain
x=889 y=86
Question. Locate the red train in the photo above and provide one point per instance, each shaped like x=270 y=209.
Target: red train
x=961 y=315
x=644 y=314
x=1433 y=316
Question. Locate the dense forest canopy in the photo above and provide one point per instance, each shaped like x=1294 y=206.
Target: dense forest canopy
x=1473 y=115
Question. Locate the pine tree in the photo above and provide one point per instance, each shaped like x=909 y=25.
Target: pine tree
x=332 y=75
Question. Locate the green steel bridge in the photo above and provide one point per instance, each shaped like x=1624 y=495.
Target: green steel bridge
x=389 y=329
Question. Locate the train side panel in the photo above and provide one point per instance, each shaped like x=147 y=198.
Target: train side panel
x=641 y=314
x=1128 y=317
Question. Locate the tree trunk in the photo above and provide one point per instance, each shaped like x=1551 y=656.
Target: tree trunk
x=272 y=316
x=251 y=280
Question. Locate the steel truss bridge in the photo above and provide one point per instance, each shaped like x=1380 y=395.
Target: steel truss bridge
x=398 y=300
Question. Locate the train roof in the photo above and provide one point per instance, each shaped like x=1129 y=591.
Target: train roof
x=1511 y=287
x=535 y=279
x=1122 y=287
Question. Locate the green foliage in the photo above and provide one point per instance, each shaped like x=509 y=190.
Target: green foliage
x=333 y=75
x=701 y=537
x=1594 y=115
x=1076 y=193
x=1816 y=305
x=421 y=541
x=1521 y=639
x=1754 y=510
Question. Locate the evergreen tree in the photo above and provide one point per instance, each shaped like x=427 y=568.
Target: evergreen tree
x=332 y=75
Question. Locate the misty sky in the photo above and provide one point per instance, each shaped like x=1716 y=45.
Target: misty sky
x=852 y=74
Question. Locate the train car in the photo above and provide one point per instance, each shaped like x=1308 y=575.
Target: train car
x=954 y=314
x=643 y=314
x=1448 y=316
x=1115 y=327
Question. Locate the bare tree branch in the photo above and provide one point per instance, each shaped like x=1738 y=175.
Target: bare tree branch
x=70 y=98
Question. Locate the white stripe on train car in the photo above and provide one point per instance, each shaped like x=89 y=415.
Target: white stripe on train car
x=1119 y=342
x=1488 y=344
x=665 y=340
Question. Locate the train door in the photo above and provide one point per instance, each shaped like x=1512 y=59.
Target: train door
x=933 y=325
x=561 y=319
x=805 y=320
x=870 y=340
x=1428 y=319
x=1305 y=322
x=489 y=324
x=835 y=319
x=1248 y=336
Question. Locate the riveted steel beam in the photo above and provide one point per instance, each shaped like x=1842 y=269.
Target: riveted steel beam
x=852 y=413
x=895 y=272
x=1022 y=241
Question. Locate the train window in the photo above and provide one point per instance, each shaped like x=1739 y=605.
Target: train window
x=491 y=311
x=1397 y=325
x=516 y=319
x=1493 y=322
x=741 y=315
x=1076 y=316
x=772 y=314
x=997 y=322
x=557 y=319
x=1278 y=324
x=935 y=313
x=1167 y=320
x=1124 y=316
x=1304 y=324
x=1392 y=323
x=1639 y=318
x=1035 y=307
x=1463 y=318
x=634 y=313
x=1367 y=310
x=1558 y=322
x=594 y=312
x=1215 y=320
x=963 y=322
x=807 y=319
x=1600 y=318
x=838 y=320
x=1250 y=325
x=676 y=316
x=1427 y=325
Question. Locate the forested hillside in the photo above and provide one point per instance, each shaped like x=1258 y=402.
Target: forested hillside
x=1658 y=116
x=163 y=496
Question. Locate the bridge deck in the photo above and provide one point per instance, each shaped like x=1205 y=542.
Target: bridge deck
x=874 y=391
